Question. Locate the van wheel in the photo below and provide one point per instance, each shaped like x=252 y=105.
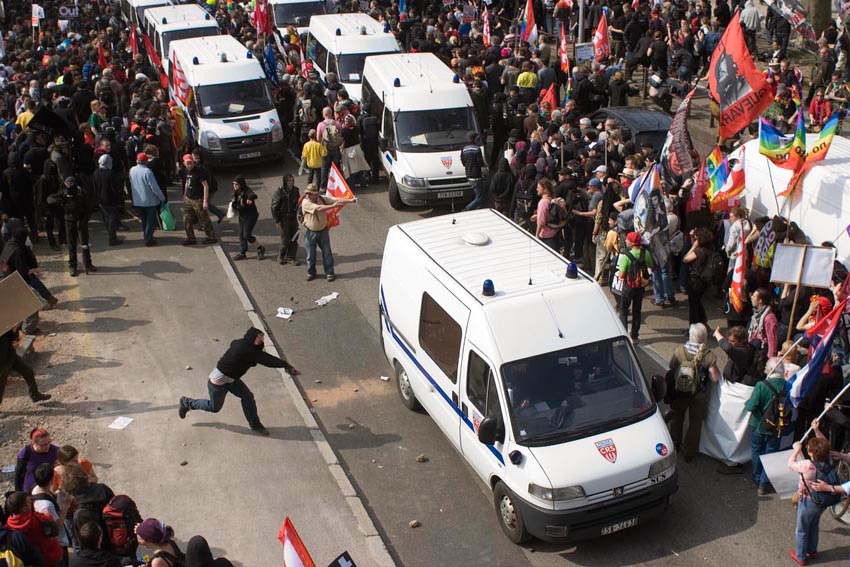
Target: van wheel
x=395 y=198
x=405 y=390
x=509 y=515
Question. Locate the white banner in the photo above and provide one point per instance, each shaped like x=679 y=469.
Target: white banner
x=726 y=431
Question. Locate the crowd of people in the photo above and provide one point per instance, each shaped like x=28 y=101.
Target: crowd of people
x=113 y=146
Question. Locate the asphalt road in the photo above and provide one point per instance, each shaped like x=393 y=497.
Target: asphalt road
x=715 y=519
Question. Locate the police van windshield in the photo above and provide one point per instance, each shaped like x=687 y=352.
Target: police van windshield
x=234 y=99
x=188 y=33
x=575 y=392
x=296 y=13
x=350 y=66
x=427 y=130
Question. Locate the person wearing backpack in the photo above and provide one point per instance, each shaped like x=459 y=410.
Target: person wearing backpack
x=46 y=502
x=285 y=208
x=698 y=282
x=14 y=546
x=90 y=498
x=550 y=217
x=160 y=539
x=770 y=418
x=329 y=134
x=633 y=267
x=39 y=528
x=691 y=368
x=811 y=503
x=90 y=554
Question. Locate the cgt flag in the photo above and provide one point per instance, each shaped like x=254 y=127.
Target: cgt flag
x=678 y=157
x=735 y=82
x=736 y=289
x=294 y=552
x=337 y=187
x=601 y=44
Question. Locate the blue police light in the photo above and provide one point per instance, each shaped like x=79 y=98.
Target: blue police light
x=338 y=31
x=396 y=82
x=164 y=21
x=386 y=28
x=206 y=16
x=195 y=61
x=572 y=271
x=250 y=55
x=489 y=289
x=456 y=78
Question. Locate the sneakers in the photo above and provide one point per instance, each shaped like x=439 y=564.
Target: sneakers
x=764 y=490
x=239 y=256
x=182 y=408
x=190 y=242
x=210 y=240
x=152 y=242
x=39 y=397
x=331 y=277
x=115 y=241
x=793 y=555
x=261 y=429
x=282 y=261
x=311 y=277
x=51 y=300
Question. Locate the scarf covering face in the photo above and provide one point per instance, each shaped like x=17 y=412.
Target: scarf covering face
x=756 y=328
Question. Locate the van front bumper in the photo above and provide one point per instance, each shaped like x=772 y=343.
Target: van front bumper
x=232 y=154
x=595 y=520
x=435 y=196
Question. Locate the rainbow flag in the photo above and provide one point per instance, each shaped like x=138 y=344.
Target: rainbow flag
x=716 y=172
x=529 y=27
x=827 y=133
x=773 y=144
x=797 y=156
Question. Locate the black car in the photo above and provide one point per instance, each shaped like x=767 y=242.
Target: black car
x=644 y=124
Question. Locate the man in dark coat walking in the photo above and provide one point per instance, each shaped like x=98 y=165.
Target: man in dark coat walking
x=227 y=375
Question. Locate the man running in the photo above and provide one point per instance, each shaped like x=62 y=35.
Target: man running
x=227 y=377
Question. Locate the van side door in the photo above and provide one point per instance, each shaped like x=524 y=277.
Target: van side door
x=442 y=326
x=479 y=398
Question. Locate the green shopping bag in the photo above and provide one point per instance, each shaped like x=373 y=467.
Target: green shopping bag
x=167 y=218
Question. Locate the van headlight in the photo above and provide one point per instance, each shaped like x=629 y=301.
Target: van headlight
x=664 y=464
x=413 y=181
x=277 y=132
x=556 y=494
x=214 y=142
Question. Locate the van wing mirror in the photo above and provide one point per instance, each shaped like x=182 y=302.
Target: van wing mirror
x=659 y=387
x=487 y=430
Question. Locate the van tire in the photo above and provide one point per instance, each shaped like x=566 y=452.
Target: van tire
x=509 y=515
x=405 y=390
x=395 y=197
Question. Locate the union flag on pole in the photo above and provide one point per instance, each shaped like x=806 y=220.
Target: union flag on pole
x=564 y=52
x=736 y=290
x=337 y=187
x=601 y=45
x=181 y=85
x=486 y=17
x=294 y=552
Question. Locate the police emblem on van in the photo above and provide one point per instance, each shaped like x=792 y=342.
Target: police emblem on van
x=607 y=449
x=447 y=161
x=244 y=126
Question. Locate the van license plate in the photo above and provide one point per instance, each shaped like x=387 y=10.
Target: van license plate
x=449 y=194
x=608 y=530
x=249 y=155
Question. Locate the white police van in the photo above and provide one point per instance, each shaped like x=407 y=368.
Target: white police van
x=296 y=13
x=226 y=97
x=524 y=365
x=165 y=24
x=340 y=43
x=425 y=114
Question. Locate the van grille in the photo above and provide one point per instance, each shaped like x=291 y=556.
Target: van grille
x=446 y=181
x=246 y=142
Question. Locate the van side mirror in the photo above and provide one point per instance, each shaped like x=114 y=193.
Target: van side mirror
x=659 y=387
x=487 y=430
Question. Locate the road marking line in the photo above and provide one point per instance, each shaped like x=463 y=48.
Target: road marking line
x=367 y=527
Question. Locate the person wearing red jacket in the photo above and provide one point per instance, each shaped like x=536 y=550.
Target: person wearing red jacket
x=35 y=526
x=819 y=110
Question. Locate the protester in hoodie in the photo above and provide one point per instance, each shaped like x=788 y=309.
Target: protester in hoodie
x=242 y=355
x=244 y=202
x=17 y=543
x=198 y=554
x=75 y=204
x=110 y=195
x=90 y=554
x=89 y=497
x=16 y=256
x=40 y=529
x=285 y=216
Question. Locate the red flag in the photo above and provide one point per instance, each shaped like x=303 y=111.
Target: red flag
x=549 y=96
x=261 y=19
x=844 y=291
x=181 y=85
x=101 y=56
x=564 y=52
x=294 y=552
x=486 y=17
x=337 y=187
x=736 y=83
x=303 y=62
x=134 y=45
x=736 y=290
x=601 y=45
x=695 y=200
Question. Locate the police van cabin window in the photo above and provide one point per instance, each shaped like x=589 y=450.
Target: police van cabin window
x=481 y=389
x=439 y=336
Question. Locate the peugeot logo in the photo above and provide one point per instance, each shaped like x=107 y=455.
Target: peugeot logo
x=618 y=491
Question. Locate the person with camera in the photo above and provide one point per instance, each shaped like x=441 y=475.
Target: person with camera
x=77 y=209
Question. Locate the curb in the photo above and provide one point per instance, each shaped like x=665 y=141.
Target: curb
x=25 y=346
x=374 y=542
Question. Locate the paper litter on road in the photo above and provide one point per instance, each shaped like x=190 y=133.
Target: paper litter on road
x=121 y=422
x=327 y=298
x=385 y=378
x=284 y=312
x=9 y=468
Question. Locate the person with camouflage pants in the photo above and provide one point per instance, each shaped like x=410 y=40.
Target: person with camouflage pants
x=196 y=191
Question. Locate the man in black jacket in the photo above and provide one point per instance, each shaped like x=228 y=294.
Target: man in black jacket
x=285 y=215
x=11 y=362
x=20 y=545
x=227 y=375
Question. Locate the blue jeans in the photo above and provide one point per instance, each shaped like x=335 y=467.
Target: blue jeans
x=38 y=286
x=217 y=395
x=335 y=157
x=213 y=210
x=478 y=189
x=808 y=527
x=321 y=238
x=762 y=444
x=148 y=221
x=662 y=284
x=246 y=230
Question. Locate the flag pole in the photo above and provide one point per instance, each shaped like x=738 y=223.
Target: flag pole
x=829 y=406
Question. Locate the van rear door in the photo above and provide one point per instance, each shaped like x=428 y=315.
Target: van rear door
x=442 y=326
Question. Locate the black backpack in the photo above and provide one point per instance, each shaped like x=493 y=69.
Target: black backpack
x=556 y=215
x=828 y=474
x=777 y=416
x=176 y=559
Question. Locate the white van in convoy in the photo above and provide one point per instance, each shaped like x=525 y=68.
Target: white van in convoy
x=165 y=24
x=523 y=363
x=133 y=11
x=227 y=98
x=425 y=114
x=340 y=43
x=296 y=13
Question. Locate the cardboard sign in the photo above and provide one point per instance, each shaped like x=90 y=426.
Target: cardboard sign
x=344 y=560
x=35 y=15
x=584 y=52
x=17 y=301
x=817 y=269
x=468 y=13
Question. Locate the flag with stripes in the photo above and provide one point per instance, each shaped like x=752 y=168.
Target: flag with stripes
x=804 y=380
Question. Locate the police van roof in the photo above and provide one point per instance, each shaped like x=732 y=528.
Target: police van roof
x=167 y=18
x=358 y=33
x=424 y=82
x=140 y=3
x=215 y=59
